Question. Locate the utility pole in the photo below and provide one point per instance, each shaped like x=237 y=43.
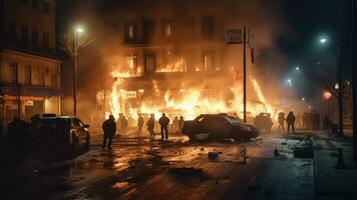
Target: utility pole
x=244 y=76
x=74 y=75
x=340 y=52
x=18 y=92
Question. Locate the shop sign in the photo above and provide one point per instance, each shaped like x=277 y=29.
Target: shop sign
x=22 y=98
x=27 y=103
x=130 y=94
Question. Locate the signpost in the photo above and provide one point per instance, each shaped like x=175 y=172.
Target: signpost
x=239 y=36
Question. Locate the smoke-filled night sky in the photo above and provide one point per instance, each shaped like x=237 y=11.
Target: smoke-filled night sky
x=302 y=23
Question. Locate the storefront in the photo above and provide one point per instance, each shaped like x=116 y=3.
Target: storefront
x=33 y=100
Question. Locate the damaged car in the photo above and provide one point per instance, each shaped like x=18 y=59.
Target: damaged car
x=220 y=126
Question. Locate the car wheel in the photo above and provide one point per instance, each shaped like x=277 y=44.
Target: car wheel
x=88 y=142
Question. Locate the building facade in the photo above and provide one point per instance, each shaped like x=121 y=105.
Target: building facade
x=173 y=46
x=30 y=70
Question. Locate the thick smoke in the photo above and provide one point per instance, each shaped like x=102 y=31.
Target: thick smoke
x=104 y=22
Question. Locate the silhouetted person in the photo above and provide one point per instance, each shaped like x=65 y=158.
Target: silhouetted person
x=326 y=123
x=109 y=128
x=310 y=120
x=290 y=119
x=305 y=118
x=281 y=120
x=269 y=122
x=175 y=125
x=18 y=139
x=151 y=126
x=140 y=123
x=298 y=120
x=164 y=122
x=123 y=123
x=316 y=121
x=181 y=122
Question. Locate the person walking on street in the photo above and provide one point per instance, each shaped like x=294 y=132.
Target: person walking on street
x=175 y=125
x=151 y=126
x=164 y=122
x=298 y=120
x=290 y=119
x=281 y=119
x=109 y=128
x=326 y=123
x=181 y=121
x=304 y=120
x=140 y=123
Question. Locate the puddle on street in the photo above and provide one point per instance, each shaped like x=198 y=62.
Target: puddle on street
x=121 y=185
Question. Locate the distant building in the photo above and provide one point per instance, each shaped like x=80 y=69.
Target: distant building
x=30 y=71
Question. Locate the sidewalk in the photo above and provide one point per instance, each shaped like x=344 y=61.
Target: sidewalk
x=328 y=180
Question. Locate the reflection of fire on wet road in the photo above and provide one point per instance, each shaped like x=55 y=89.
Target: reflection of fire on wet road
x=182 y=169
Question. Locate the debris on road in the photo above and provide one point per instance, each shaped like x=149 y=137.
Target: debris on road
x=276 y=153
x=213 y=155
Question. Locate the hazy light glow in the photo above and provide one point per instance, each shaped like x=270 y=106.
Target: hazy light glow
x=303 y=99
x=337 y=86
x=323 y=40
x=327 y=95
x=79 y=30
x=297 y=68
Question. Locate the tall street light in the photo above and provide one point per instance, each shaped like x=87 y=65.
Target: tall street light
x=323 y=40
x=77 y=30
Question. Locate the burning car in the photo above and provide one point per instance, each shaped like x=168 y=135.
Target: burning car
x=218 y=126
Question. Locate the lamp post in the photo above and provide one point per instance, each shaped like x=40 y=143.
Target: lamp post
x=323 y=40
x=77 y=31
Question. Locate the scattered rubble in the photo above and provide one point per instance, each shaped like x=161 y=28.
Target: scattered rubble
x=213 y=155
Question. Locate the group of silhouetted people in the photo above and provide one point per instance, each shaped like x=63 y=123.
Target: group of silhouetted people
x=310 y=120
x=109 y=127
x=290 y=121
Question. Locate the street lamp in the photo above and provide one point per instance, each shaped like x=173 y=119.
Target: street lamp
x=289 y=82
x=327 y=95
x=77 y=30
x=297 y=68
x=323 y=40
x=303 y=99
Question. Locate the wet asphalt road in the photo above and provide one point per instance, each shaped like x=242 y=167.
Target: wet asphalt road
x=176 y=169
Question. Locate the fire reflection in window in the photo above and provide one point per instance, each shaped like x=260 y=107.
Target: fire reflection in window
x=208 y=62
x=132 y=64
x=167 y=29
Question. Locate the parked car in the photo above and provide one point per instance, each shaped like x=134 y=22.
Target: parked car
x=218 y=126
x=61 y=135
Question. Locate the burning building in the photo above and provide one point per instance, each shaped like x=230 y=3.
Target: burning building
x=173 y=57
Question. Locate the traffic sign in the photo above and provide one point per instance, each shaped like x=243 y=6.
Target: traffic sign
x=234 y=36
